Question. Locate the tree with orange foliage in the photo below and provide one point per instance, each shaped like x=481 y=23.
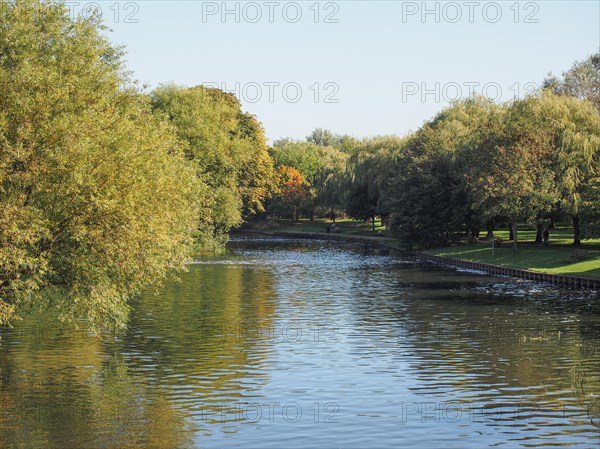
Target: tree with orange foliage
x=294 y=190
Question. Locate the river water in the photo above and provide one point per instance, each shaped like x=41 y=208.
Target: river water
x=306 y=344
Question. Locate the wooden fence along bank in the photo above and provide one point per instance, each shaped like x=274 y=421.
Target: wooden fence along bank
x=562 y=280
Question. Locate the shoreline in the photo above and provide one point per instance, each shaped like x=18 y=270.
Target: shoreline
x=562 y=280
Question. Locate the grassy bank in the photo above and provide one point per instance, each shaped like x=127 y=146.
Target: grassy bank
x=562 y=234
x=554 y=260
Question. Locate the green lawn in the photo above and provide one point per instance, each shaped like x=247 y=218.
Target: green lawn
x=554 y=260
x=562 y=234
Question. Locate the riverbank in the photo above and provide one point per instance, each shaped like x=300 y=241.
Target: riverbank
x=562 y=280
x=582 y=262
x=558 y=264
x=345 y=230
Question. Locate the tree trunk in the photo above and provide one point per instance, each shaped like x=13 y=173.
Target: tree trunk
x=512 y=234
x=490 y=229
x=576 y=231
x=538 y=235
x=513 y=227
x=373 y=222
x=294 y=217
x=552 y=222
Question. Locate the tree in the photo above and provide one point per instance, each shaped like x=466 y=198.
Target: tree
x=515 y=179
x=360 y=206
x=590 y=208
x=581 y=81
x=367 y=172
x=322 y=167
x=329 y=178
x=575 y=128
x=432 y=193
x=304 y=156
x=96 y=199
x=229 y=152
x=257 y=178
x=323 y=137
x=294 y=192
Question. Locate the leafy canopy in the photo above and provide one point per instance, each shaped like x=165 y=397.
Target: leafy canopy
x=96 y=198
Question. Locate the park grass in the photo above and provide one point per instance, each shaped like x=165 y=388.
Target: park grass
x=562 y=234
x=552 y=259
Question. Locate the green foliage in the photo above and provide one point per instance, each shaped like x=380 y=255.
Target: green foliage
x=228 y=150
x=303 y=156
x=321 y=166
x=590 y=208
x=580 y=81
x=477 y=163
x=546 y=154
x=369 y=168
x=359 y=205
x=430 y=198
x=294 y=194
x=96 y=198
x=513 y=178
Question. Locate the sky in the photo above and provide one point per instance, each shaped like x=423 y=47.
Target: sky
x=362 y=68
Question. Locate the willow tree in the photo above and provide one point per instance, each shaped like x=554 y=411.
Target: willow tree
x=328 y=179
x=367 y=173
x=228 y=150
x=96 y=199
x=431 y=189
x=544 y=157
x=574 y=129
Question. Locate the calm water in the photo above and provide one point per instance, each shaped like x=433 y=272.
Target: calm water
x=284 y=343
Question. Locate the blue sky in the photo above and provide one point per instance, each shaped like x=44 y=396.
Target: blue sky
x=356 y=67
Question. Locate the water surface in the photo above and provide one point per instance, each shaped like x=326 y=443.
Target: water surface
x=305 y=344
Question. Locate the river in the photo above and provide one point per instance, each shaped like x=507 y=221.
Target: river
x=313 y=344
